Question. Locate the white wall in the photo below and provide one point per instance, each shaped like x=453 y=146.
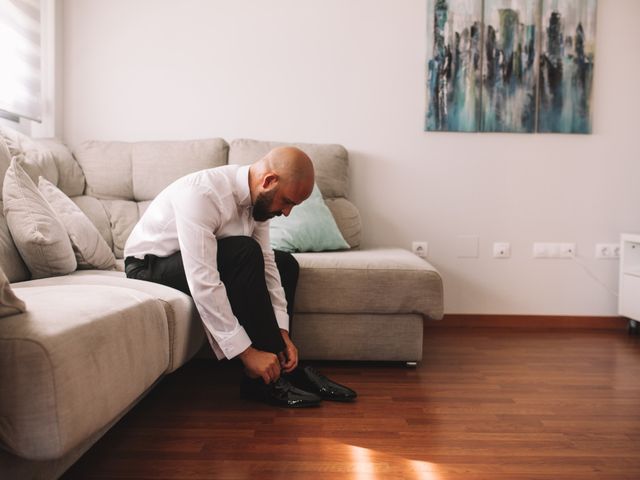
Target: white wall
x=52 y=78
x=353 y=72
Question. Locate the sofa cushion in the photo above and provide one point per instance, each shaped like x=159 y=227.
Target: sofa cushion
x=114 y=219
x=75 y=367
x=368 y=281
x=91 y=251
x=44 y=157
x=186 y=333
x=120 y=170
x=123 y=216
x=347 y=218
x=330 y=162
x=9 y=303
x=95 y=211
x=37 y=161
x=10 y=260
x=120 y=264
x=107 y=169
x=310 y=227
x=37 y=232
x=70 y=176
x=142 y=207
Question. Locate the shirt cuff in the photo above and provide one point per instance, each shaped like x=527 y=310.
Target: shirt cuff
x=235 y=345
x=283 y=319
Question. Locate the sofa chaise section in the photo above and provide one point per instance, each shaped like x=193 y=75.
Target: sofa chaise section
x=185 y=331
x=73 y=361
x=364 y=305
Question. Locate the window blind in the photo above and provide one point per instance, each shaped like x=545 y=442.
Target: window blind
x=20 y=65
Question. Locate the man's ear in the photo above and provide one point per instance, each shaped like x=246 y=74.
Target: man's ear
x=269 y=180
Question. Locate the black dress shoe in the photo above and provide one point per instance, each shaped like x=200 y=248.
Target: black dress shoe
x=311 y=380
x=279 y=393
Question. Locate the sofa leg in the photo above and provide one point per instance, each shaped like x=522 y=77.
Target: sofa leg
x=411 y=364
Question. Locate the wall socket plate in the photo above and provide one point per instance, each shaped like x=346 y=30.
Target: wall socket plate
x=554 y=250
x=501 y=250
x=608 y=250
x=421 y=249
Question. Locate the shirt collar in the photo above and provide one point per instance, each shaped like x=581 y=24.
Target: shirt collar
x=242 y=193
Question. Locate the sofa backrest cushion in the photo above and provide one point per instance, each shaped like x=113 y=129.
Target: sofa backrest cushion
x=114 y=219
x=44 y=157
x=123 y=216
x=139 y=171
x=347 y=218
x=122 y=178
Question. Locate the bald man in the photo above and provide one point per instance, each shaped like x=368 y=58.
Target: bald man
x=207 y=235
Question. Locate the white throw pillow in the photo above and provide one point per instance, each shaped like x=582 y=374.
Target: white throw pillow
x=9 y=303
x=38 y=233
x=90 y=248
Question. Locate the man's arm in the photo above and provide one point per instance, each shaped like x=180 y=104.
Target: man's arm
x=288 y=358
x=197 y=217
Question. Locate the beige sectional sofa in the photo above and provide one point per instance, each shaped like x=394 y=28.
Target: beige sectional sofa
x=92 y=343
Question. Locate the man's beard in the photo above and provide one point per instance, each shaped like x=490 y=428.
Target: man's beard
x=261 y=212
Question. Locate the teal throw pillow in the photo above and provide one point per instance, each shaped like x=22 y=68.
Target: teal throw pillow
x=310 y=227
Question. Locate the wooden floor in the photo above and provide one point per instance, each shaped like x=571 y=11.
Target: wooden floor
x=484 y=404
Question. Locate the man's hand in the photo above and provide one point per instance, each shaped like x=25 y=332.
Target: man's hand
x=261 y=364
x=288 y=357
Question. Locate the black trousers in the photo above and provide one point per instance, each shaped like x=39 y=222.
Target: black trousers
x=241 y=268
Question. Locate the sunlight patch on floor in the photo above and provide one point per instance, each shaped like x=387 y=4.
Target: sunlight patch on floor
x=364 y=468
x=372 y=465
x=424 y=470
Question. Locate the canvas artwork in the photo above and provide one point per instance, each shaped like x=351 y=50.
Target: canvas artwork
x=566 y=65
x=454 y=68
x=509 y=73
x=510 y=65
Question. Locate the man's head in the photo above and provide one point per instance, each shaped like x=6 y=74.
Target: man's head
x=279 y=181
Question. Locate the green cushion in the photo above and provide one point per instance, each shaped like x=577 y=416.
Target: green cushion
x=310 y=227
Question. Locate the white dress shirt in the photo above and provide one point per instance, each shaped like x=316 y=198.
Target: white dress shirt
x=190 y=215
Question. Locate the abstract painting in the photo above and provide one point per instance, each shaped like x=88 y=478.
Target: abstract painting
x=566 y=65
x=510 y=65
x=454 y=67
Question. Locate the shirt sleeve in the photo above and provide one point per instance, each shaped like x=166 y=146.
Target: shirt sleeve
x=197 y=218
x=272 y=276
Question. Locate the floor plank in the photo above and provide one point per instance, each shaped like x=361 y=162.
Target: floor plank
x=500 y=404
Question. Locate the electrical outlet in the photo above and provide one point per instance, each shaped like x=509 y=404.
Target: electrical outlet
x=501 y=250
x=554 y=250
x=420 y=249
x=608 y=250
